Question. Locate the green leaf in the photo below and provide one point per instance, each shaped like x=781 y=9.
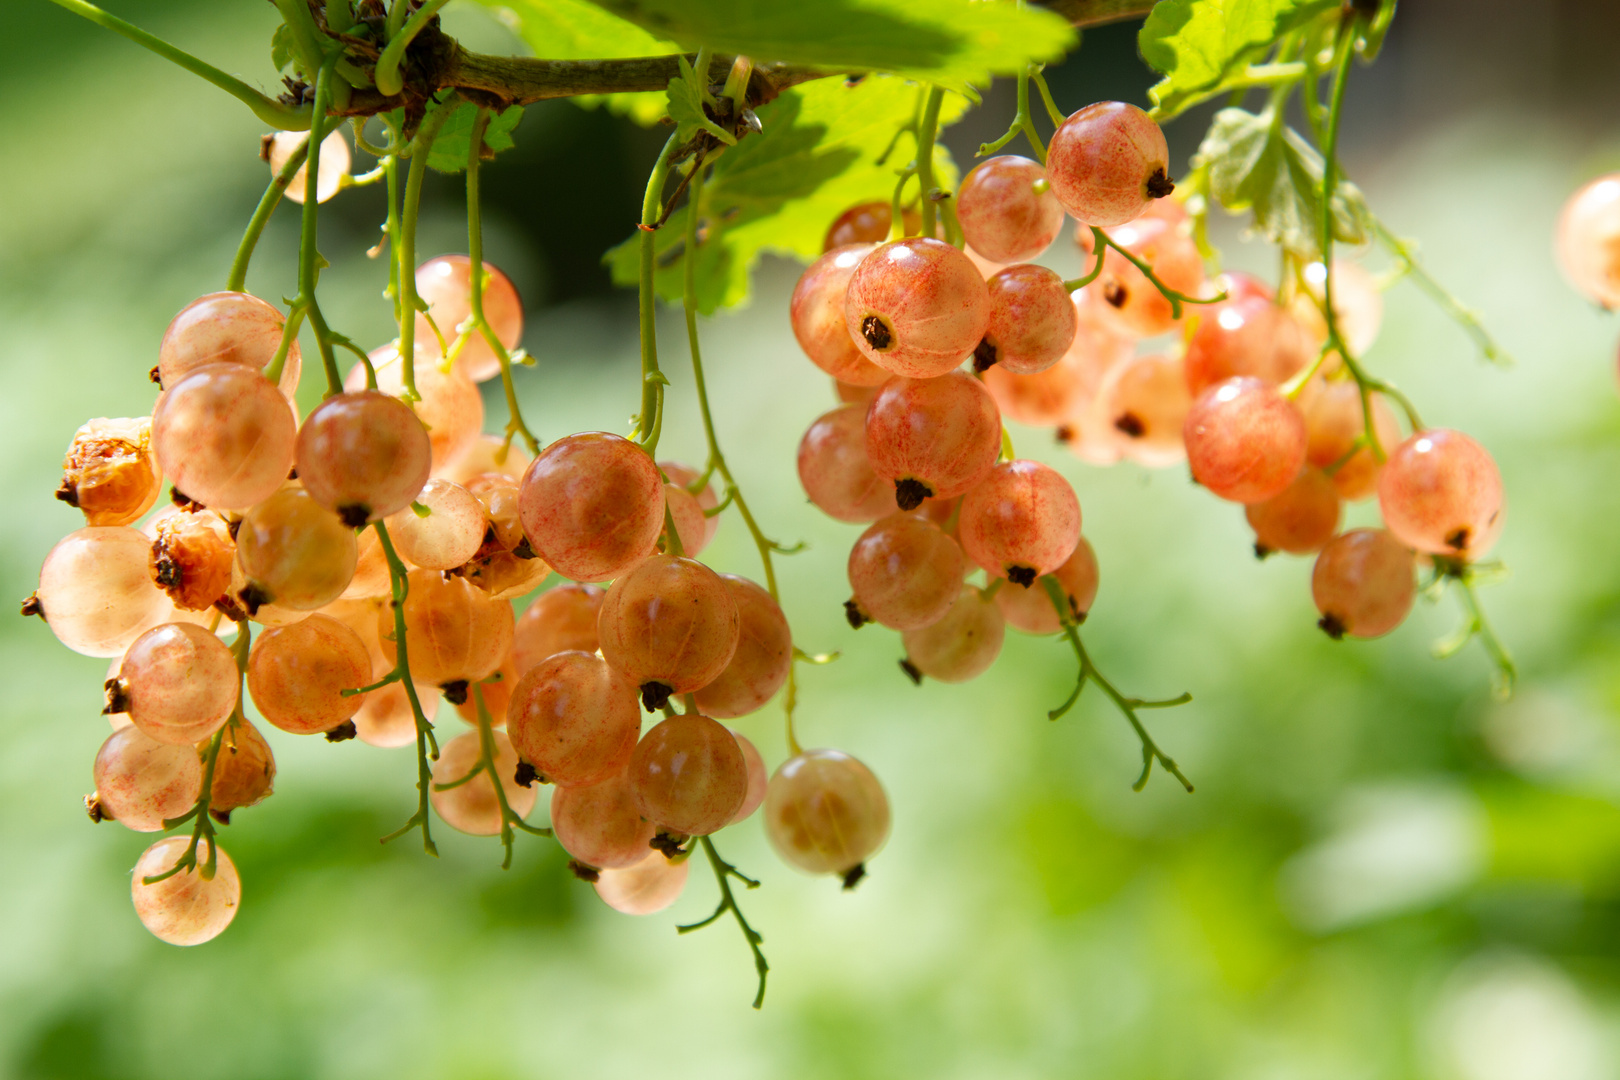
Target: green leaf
x=686 y=107
x=953 y=43
x=1196 y=44
x=777 y=191
x=449 y=153
x=281 y=54
x=1256 y=163
x=579 y=30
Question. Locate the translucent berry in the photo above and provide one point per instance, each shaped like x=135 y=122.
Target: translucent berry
x=244 y=770
x=485 y=455
x=826 y=813
x=297 y=674
x=600 y=825
x=574 y=719
x=962 y=645
x=386 y=718
x=94 y=590
x=1300 y=519
x=1588 y=241
x=835 y=471
x=226 y=328
x=334 y=164
x=758 y=778
x=1245 y=441
x=670 y=626
x=472 y=807
x=689 y=775
x=690 y=524
x=685 y=476
x=294 y=553
x=1145 y=402
x=224 y=436
x=1244 y=337
x=1007 y=210
x=592 y=505
x=934 y=438
x=1021 y=521
x=453 y=632
x=867 y=223
x=191 y=556
x=363 y=454
x=1107 y=163
x=817 y=314
x=371 y=578
x=1139 y=308
x=646 y=888
x=1440 y=492
x=451 y=408
x=109 y=474
x=140 y=782
x=1358 y=305
x=450 y=533
x=1032 y=320
x=1030 y=610
x=445 y=285
x=1334 y=421
x=1363 y=583
x=917 y=307
x=185 y=908
x=905 y=573
x=562 y=618
x=764 y=653
x=178 y=683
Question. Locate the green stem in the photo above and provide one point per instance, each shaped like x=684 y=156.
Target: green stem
x=405 y=249
x=925 y=157
x=1459 y=312
x=649 y=423
x=308 y=252
x=1023 y=121
x=486 y=762
x=723 y=873
x=1507 y=672
x=1126 y=705
x=261 y=215
x=269 y=110
x=1101 y=239
x=400 y=587
x=475 y=250
x=387 y=76
x=1052 y=111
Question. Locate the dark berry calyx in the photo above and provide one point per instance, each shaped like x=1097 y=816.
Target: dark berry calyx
x=913 y=672
x=1263 y=552
x=857 y=618
x=668 y=843
x=68 y=492
x=583 y=871
x=221 y=816
x=252 y=597
x=877 y=332
x=455 y=691
x=524 y=550
x=984 y=355
x=227 y=607
x=343 y=732
x=1457 y=539
x=117 y=697
x=655 y=695
x=184 y=501
x=32 y=606
x=1331 y=626
x=909 y=494
x=166 y=570
x=1114 y=292
x=354 y=515
x=853 y=876
x=1159 y=184
x=156 y=376
x=525 y=775
x=1130 y=424
x=97 y=812
x=1064 y=434
x=1021 y=575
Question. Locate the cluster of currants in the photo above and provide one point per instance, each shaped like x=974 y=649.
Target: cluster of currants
x=1254 y=392
x=378 y=546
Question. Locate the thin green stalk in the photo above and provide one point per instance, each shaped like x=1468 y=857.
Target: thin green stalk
x=1507 y=672
x=1127 y=706
x=386 y=75
x=261 y=215
x=486 y=763
x=1023 y=121
x=267 y=109
x=723 y=873
x=1460 y=313
x=1053 y=113
x=926 y=132
x=399 y=585
x=475 y=250
x=405 y=249
x=1101 y=239
x=650 y=421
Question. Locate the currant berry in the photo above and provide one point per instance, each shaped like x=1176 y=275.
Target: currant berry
x=905 y=573
x=758 y=778
x=759 y=667
x=592 y=505
x=1335 y=421
x=1145 y=402
x=934 y=438
x=109 y=474
x=600 y=825
x=191 y=558
x=451 y=408
x=1440 y=492
x=178 y=683
x=916 y=307
x=646 y=888
x=1363 y=583
x=244 y=770
x=141 y=782
x=453 y=632
x=450 y=534
x=1139 y=308
x=294 y=553
x=363 y=454
x=561 y=619
x=962 y=645
x=1107 y=163
x=94 y=591
x=1245 y=441
x=1021 y=521
x=835 y=471
x=1032 y=320
x=472 y=806
x=297 y=674
x=226 y=328
x=1588 y=241
x=575 y=719
x=185 y=908
x=1007 y=210
x=670 y=626
x=817 y=315
x=1300 y=519
x=334 y=164
x=826 y=813
x=224 y=436
x=689 y=775
x=1244 y=337
x=1030 y=610
x=445 y=285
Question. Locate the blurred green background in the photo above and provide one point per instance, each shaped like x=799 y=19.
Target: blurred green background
x=1383 y=873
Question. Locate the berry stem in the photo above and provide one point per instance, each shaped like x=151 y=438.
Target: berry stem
x=1460 y=313
x=1475 y=624
x=650 y=422
x=723 y=873
x=1101 y=239
x=272 y=112
x=261 y=215
x=405 y=247
x=486 y=763
x=400 y=587
x=475 y=251
x=1023 y=121
x=387 y=77
x=203 y=829
x=926 y=132
x=1053 y=113
x=1126 y=705
x=1081 y=282
x=308 y=253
